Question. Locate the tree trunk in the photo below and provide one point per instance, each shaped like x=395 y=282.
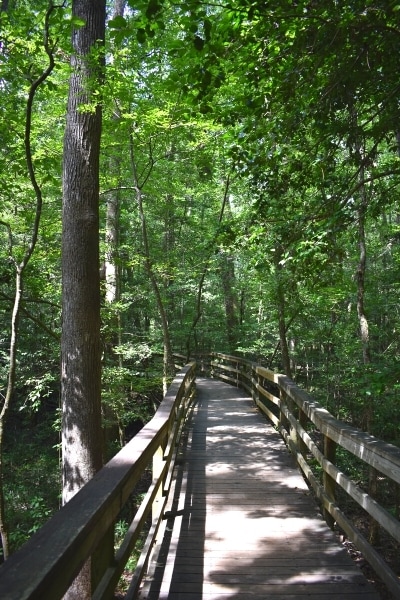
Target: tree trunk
x=112 y=427
x=287 y=369
x=366 y=350
x=111 y=238
x=22 y=264
x=280 y=293
x=168 y=248
x=363 y=320
x=227 y=275
x=361 y=269
x=168 y=362
x=80 y=339
x=112 y=273
x=111 y=268
x=198 y=312
x=7 y=401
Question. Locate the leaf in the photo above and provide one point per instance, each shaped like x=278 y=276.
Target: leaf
x=207 y=29
x=77 y=22
x=141 y=36
x=205 y=108
x=153 y=9
x=117 y=23
x=150 y=31
x=51 y=85
x=198 y=43
x=206 y=80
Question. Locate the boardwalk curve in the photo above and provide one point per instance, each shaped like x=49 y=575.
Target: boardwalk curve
x=241 y=523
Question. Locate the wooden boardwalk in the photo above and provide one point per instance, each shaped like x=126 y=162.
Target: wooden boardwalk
x=241 y=523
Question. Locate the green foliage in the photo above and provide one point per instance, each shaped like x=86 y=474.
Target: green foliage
x=129 y=395
x=32 y=486
x=39 y=388
x=274 y=99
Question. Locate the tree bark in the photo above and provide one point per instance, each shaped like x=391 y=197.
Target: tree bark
x=80 y=340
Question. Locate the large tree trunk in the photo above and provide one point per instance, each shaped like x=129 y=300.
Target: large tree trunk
x=112 y=426
x=80 y=340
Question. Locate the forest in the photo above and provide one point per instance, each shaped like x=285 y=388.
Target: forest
x=189 y=177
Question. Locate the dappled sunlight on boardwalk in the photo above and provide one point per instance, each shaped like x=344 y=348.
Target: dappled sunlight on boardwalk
x=241 y=522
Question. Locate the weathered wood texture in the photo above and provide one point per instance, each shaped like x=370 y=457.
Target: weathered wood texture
x=241 y=523
x=296 y=414
x=46 y=565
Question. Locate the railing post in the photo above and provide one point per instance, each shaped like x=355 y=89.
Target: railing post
x=185 y=399
x=254 y=391
x=158 y=464
x=294 y=441
x=283 y=422
x=286 y=402
x=102 y=558
x=291 y=406
x=303 y=420
x=328 y=481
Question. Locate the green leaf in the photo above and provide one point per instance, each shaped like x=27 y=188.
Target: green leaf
x=206 y=81
x=153 y=9
x=198 y=43
x=78 y=22
x=207 y=29
x=141 y=36
x=117 y=23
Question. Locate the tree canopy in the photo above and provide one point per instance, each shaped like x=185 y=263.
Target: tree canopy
x=249 y=173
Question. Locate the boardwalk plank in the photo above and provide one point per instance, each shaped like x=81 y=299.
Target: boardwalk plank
x=240 y=521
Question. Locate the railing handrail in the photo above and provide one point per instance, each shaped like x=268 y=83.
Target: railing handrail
x=290 y=412
x=46 y=565
x=377 y=453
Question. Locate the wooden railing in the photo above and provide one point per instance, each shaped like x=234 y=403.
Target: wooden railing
x=83 y=529
x=299 y=419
